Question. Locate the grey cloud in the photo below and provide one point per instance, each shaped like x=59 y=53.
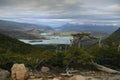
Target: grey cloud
x=59 y=10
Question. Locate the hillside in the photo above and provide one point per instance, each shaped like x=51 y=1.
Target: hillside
x=13 y=51
x=19 y=34
x=13 y=45
x=114 y=37
x=22 y=30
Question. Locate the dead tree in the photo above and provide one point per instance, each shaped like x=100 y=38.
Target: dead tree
x=79 y=37
x=100 y=39
x=105 y=69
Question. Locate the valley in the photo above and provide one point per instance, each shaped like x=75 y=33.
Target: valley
x=59 y=39
x=59 y=51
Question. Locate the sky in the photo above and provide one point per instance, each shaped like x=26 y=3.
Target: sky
x=58 y=12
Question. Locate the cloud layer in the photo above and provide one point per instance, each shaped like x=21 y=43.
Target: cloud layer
x=58 y=12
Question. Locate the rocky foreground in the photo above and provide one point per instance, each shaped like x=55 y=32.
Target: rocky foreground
x=20 y=72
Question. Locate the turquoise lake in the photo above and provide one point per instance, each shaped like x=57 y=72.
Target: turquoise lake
x=49 y=40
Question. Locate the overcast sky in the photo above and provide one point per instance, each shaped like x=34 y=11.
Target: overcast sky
x=59 y=12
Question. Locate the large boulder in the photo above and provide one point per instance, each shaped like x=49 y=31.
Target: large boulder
x=77 y=77
x=19 y=72
x=4 y=75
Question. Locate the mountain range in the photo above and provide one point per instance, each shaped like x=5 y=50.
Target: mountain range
x=32 y=31
x=22 y=30
x=94 y=29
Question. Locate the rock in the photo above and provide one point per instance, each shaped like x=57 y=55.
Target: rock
x=32 y=77
x=77 y=77
x=44 y=69
x=116 y=77
x=19 y=72
x=58 y=78
x=36 y=79
x=31 y=74
x=37 y=75
x=4 y=75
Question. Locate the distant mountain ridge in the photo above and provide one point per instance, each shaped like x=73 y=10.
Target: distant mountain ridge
x=22 y=30
x=94 y=29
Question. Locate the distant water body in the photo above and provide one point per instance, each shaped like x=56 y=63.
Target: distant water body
x=49 y=40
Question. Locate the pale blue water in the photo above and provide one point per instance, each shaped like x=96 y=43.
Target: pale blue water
x=50 y=40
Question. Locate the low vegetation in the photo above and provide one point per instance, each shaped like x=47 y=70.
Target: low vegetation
x=14 y=51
